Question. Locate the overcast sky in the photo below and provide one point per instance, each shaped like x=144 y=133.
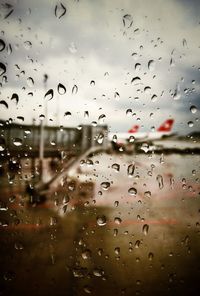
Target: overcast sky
x=110 y=42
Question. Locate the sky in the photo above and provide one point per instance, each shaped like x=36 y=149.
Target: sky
x=121 y=62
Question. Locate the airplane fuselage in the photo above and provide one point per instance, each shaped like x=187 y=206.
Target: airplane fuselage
x=125 y=137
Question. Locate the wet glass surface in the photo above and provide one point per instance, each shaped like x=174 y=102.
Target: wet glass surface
x=99 y=148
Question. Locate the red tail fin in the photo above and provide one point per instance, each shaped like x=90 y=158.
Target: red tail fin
x=166 y=126
x=134 y=129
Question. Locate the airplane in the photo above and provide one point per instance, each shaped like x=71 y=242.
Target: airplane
x=164 y=130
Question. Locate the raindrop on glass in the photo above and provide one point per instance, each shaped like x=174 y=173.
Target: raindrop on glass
x=159 y=179
x=136 y=80
x=27 y=45
x=15 y=97
x=154 y=98
x=2 y=45
x=116 y=167
x=2 y=69
x=101 y=220
x=105 y=185
x=67 y=115
x=151 y=65
x=193 y=109
x=145 y=229
x=17 y=142
x=61 y=89
x=101 y=118
x=60 y=10
x=117 y=220
x=129 y=112
x=190 y=123
x=49 y=94
x=130 y=170
x=132 y=191
x=74 y=89
x=30 y=81
x=150 y=256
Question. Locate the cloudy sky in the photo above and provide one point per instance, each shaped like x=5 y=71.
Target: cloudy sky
x=112 y=56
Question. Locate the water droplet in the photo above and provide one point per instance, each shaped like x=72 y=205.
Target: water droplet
x=116 y=203
x=53 y=143
x=184 y=42
x=100 y=138
x=2 y=147
x=60 y=10
x=67 y=115
x=115 y=232
x=42 y=117
x=116 y=95
x=2 y=69
x=30 y=81
x=79 y=127
x=86 y=254
x=147 y=89
x=145 y=229
x=177 y=94
x=17 y=142
x=154 y=98
x=101 y=118
x=137 y=66
x=129 y=112
x=134 y=54
x=130 y=170
x=27 y=45
x=9 y=276
x=147 y=194
x=117 y=251
x=151 y=65
x=86 y=114
x=150 y=256
x=21 y=118
x=117 y=220
x=74 y=89
x=137 y=244
x=2 y=45
x=193 y=109
x=132 y=191
x=190 y=123
x=131 y=139
x=127 y=20
x=105 y=185
x=61 y=89
x=101 y=220
x=172 y=63
x=159 y=178
x=136 y=80
x=19 y=246
x=49 y=94
x=8 y=6
x=4 y=103
x=98 y=272
x=116 y=167
x=114 y=138
x=94 y=123
x=9 y=49
x=15 y=97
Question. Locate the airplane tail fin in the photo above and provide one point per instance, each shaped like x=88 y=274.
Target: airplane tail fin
x=134 y=129
x=166 y=126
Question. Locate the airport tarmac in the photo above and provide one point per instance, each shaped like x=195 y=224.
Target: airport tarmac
x=121 y=225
